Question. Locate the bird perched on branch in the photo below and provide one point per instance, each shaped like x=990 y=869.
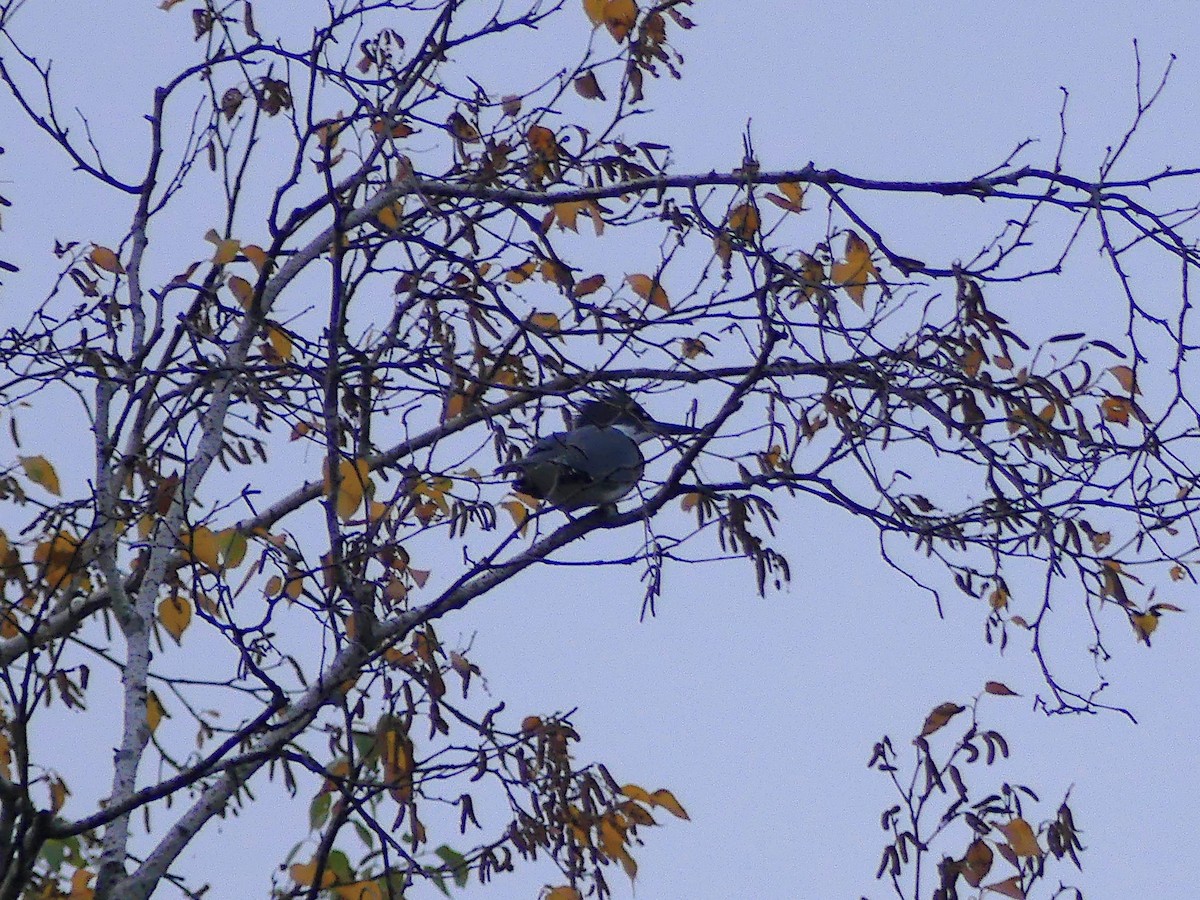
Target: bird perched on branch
x=598 y=461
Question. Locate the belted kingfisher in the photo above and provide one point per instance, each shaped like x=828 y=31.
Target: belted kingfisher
x=598 y=461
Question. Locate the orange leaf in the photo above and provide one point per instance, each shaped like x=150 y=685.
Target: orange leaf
x=619 y=18
x=106 y=259
x=520 y=273
x=635 y=792
x=242 y=290
x=588 y=87
x=942 y=713
x=1021 y=838
x=1009 y=887
x=1000 y=689
x=545 y=321
x=664 y=798
x=1116 y=409
x=256 y=255
x=462 y=129
x=744 y=221
x=649 y=290
x=594 y=9
x=793 y=196
x=564 y=892
x=589 y=285
x=976 y=863
x=542 y=141
x=1126 y=379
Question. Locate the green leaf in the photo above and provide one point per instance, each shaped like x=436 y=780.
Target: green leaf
x=456 y=863
x=318 y=810
x=339 y=865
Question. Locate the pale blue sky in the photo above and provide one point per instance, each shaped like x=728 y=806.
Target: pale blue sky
x=760 y=714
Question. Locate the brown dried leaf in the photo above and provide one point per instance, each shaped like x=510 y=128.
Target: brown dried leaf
x=941 y=714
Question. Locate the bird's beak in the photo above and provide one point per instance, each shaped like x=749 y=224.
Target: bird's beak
x=669 y=428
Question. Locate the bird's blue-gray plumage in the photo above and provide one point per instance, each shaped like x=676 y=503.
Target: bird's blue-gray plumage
x=597 y=462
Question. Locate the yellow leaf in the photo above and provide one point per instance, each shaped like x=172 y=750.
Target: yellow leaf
x=154 y=711
x=853 y=272
x=519 y=512
x=564 y=892
x=40 y=471
x=226 y=252
x=60 y=557
x=106 y=259
x=520 y=273
x=619 y=18
x=1021 y=838
x=175 y=614
x=389 y=217
x=58 y=794
x=744 y=221
x=942 y=713
x=359 y=890
x=1144 y=625
x=281 y=343
x=792 y=199
x=242 y=289
x=305 y=873
x=353 y=476
x=295 y=584
x=665 y=799
x=649 y=290
x=813 y=274
x=202 y=546
x=594 y=9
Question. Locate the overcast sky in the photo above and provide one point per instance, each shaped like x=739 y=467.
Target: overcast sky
x=760 y=714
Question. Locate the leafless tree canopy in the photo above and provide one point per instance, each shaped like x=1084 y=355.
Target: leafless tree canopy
x=411 y=274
